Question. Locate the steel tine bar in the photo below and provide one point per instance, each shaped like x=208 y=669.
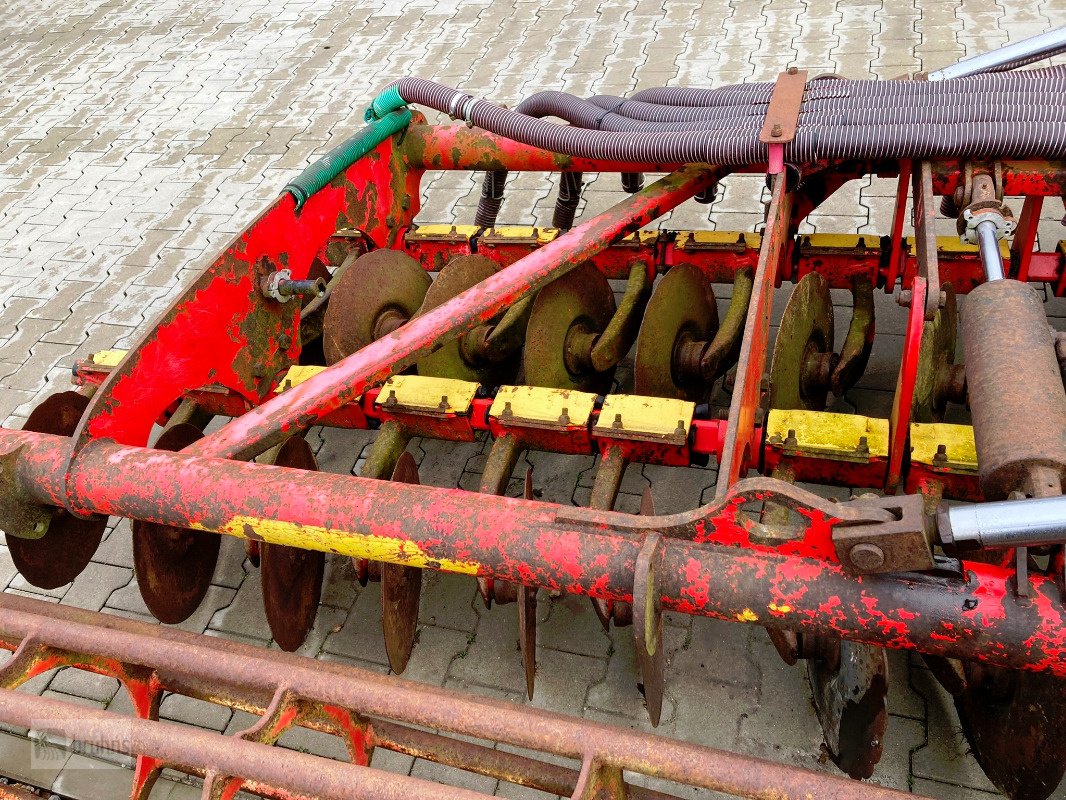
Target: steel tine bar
x=245 y=676
x=181 y=745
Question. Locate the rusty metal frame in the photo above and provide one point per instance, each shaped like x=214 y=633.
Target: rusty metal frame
x=366 y=709
x=713 y=561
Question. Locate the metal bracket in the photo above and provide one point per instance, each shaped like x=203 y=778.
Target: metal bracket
x=925 y=235
x=902 y=544
x=782 y=115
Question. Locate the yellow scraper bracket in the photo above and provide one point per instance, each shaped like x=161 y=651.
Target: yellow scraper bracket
x=939 y=444
x=422 y=394
x=108 y=358
x=649 y=419
x=296 y=375
x=842 y=437
x=535 y=406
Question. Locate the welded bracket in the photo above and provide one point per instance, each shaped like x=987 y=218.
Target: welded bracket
x=782 y=115
x=925 y=235
x=901 y=544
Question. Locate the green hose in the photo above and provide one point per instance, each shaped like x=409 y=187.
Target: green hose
x=385 y=103
x=333 y=163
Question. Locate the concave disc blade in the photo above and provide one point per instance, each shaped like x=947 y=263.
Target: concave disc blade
x=68 y=545
x=806 y=330
x=1014 y=721
x=400 y=589
x=291 y=576
x=851 y=700
x=456 y=277
x=935 y=355
x=580 y=301
x=174 y=566
x=681 y=308
x=373 y=284
x=527 y=616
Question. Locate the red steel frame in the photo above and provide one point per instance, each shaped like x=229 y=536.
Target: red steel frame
x=222 y=331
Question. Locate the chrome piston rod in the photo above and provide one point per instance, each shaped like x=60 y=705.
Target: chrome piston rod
x=1007 y=523
x=1026 y=51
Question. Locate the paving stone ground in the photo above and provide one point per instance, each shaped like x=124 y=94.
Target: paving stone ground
x=137 y=137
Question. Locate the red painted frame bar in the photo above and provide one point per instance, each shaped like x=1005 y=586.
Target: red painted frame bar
x=900 y=419
x=299 y=408
x=712 y=566
x=459 y=147
x=741 y=448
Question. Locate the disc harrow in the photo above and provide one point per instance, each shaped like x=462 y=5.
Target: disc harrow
x=335 y=308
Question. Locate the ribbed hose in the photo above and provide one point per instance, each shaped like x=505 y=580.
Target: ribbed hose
x=823 y=137
x=333 y=163
x=566 y=204
x=492 y=185
x=488 y=206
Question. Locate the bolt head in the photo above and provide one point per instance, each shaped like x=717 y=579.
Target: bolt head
x=866 y=556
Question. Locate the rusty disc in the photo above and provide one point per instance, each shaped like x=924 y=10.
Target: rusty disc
x=174 y=566
x=580 y=302
x=851 y=701
x=804 y=334
x=935 y=358
x=527 y=616
x=291 y=576
x=400 y=590
x=449 y=361
x=373 y=287
x=1013 y=721
x=66 y=548
x=648 y=625
x=682 y=310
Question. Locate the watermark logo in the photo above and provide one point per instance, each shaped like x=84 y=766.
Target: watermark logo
x=52 y=740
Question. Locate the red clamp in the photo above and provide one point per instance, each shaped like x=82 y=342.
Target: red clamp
x=782 y=116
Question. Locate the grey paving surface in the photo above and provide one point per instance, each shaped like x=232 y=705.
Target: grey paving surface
x=136 y=137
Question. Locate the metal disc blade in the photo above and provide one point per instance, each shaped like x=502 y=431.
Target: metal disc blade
x=806 y=329
x=648 y=626
x=456 y=277
x=581 y=300
x=371 y=285
x=291 y=577
x=681 y=308
x=1014 y=721
x=400 y=590
x=851 y=700
x=174 y=566
x=527 y=634
x=68 y=545
x=527 y=616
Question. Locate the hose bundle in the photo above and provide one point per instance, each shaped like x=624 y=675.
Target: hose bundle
x=988 y=112
x=992 y=115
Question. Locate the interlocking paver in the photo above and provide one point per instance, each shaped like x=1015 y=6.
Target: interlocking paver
x=135 y=141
